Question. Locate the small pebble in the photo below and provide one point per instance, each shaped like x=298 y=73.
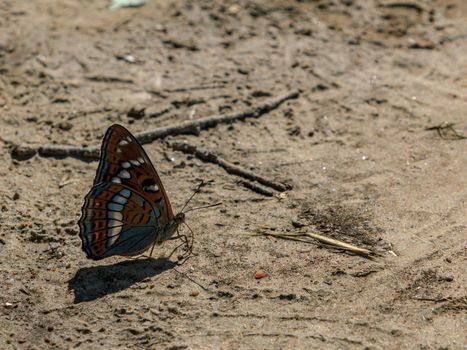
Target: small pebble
x=288 y=296
x=136 y=113
x=129 y=58
x=448 y=278
x=54 y=245
x=260 y=274
x=294 y=131
x=194 y=293
x=32 y=119
x=297 y=223
x=65 y=126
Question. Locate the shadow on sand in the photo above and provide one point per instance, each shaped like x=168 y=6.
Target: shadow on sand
x=90 y=283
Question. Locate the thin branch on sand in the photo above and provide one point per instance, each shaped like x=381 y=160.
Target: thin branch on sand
x=256 y=188
x=323 y=241
x=233 y=169
x=194 y=126
x=24 y=151
x=446 y=131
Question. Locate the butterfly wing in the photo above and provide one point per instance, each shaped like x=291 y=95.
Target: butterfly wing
x=127 y=208
x=124 y=161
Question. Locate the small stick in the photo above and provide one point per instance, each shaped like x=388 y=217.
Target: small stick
x=23 y=151
x=191 y=126
x=160 y=112
x=191 y=280
x=449 y=127
x=326 y=241
x=256 y=188
x=193 y=88
x=229 y=167
x=339 y=244
x=109 y=79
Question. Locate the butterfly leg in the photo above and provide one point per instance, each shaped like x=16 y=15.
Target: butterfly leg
x=152 y=249
x=187 y=242
x=191 y=238
x=175 y=249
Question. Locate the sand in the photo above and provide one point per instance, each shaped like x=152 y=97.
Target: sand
x=372 y=77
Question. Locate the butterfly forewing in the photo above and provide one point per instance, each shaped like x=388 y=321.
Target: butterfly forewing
x=124 y=161
x=127 y=209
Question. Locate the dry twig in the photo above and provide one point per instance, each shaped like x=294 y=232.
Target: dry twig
x=256 y=188
x=229 y=167
x=22 y=151
x=194 y=126
x=324 y=241
x=446 y=131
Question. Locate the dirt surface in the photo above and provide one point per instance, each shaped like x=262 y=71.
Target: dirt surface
x=372 y=76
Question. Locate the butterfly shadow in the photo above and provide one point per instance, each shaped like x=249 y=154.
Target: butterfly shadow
x=90 y=283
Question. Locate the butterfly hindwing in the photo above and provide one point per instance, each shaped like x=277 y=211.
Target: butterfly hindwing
x=127 y=209
x=118 y=221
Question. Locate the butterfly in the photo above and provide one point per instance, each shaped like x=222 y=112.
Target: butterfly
x=127 y=210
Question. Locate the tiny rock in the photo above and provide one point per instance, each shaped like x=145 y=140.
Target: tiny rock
x=294 y=131
x=297 y=223
x=136 y=113
x=65 y=126
x=260 y=274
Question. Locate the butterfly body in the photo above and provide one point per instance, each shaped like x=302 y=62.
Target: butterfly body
x=127 y=210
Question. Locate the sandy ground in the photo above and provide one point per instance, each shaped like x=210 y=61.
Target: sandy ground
x=372 y=76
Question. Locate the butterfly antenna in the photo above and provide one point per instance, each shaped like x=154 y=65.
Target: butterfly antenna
x=194 y=193
x=204 y=206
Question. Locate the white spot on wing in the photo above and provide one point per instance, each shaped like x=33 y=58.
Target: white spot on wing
x=116 y=180
x=115 y=215
x=119 y=199
x=135 y=162
x=122 y=142
x=112 y=234
x=126 y=165
x=140 y=159
x=114 y=224
x=123 y=174
x=151 y=188
x=114 y=206
x=125 y=193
